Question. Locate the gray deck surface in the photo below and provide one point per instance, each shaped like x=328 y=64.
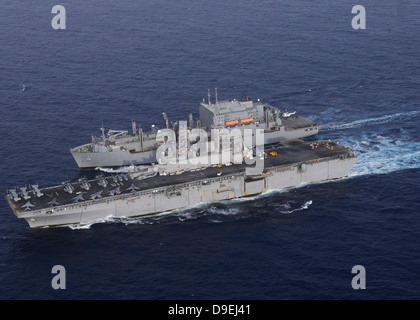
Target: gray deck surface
x=297 y=122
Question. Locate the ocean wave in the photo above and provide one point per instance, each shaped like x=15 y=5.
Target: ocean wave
x=380 y=154
x=87 y=225
x=369 y=121
x=302 y=207
x=224 y=211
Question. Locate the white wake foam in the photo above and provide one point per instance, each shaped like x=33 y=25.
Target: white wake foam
x=110 y=170
x=87 y=225
x=370 y=121
x=303 y=207
x=390 y=149
x=378 y=154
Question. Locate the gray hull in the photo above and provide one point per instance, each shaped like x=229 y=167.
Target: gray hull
x=86 y=160
x=119 y=148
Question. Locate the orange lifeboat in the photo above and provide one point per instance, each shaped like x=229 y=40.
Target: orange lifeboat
x=229 y=123
x=247 y=120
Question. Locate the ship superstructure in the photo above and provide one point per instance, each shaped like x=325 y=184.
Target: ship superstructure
x=122 y=148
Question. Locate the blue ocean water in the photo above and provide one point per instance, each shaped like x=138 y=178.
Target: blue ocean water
x=119 y=61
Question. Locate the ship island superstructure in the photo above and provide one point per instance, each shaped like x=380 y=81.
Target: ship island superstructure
x=122 y=148
x=159 y=188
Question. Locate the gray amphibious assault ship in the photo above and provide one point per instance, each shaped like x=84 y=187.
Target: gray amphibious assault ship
x=163 y=187
x=121 y=148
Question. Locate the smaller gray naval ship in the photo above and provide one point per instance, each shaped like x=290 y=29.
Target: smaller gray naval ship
x=159 y=188
x=120 y=148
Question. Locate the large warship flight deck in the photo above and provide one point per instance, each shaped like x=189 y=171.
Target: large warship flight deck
x=70 y=202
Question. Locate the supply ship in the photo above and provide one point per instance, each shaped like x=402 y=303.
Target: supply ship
x=120 y=148
x=146 y=190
